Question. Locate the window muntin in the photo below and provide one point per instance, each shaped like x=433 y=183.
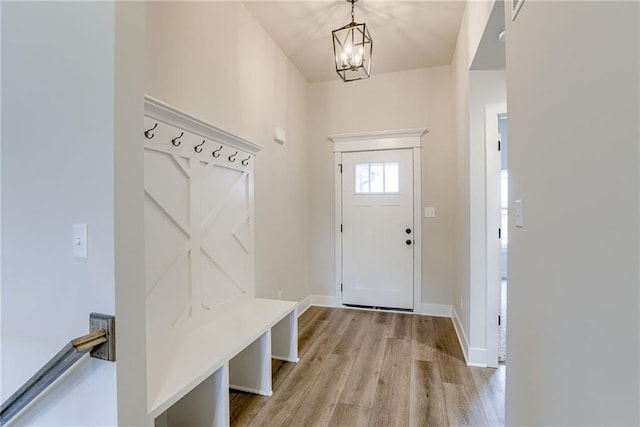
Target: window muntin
x=377 y=178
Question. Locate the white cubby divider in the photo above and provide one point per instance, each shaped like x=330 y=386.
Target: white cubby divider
x=206 y=331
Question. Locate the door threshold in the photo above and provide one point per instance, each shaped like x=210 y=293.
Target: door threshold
x=376 y=308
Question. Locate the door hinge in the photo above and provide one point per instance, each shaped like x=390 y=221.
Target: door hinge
x=499 y=320
x=341 y=287
x=341 y=228
x=340 y=166
x=499 y=233
x=498 y=145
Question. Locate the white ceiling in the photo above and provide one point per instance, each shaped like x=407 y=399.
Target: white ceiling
x=406 y=34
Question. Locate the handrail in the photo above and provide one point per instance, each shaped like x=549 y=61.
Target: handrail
x=60 y=363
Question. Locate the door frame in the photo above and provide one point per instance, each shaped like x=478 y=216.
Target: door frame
x=378 y=141
x=493 y=218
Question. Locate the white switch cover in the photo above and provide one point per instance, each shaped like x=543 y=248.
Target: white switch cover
x=429 y=212
x=80 y=240
x=519 y=220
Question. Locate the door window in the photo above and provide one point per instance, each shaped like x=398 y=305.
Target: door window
x=377 y=178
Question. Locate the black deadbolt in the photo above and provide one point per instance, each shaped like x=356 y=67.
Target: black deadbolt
x=408 y=242
x=408 y=230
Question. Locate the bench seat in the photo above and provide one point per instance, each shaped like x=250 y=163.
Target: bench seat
x=234 y=350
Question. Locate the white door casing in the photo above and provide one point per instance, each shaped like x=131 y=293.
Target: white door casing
x=371 y=141
x=493 y=271
x=377 y=232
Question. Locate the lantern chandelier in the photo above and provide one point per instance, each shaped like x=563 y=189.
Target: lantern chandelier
x=352 y=47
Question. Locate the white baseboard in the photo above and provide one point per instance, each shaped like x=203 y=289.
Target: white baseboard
x=473 y=356
x=304 y=305
x=436 y=310
x=324 y=301
x=477 y=357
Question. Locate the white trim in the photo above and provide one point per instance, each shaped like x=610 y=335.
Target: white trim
x=374 y=141
x=477 y=356
x=462 y=337
x=337 y=224
x=379 y=140
x=435 y=310
x=168 y=114
x=493 y=248
x=250 y=390
x=303 y=305
x=324 y=301
x=473 y=356
x=417 y=227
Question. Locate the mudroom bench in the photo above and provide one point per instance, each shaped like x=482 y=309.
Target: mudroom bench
x=233 y=350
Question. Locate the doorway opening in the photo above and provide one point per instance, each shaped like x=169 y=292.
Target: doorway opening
x=504 y=235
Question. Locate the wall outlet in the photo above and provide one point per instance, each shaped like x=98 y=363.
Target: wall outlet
x=279 y=294
x=430 y=212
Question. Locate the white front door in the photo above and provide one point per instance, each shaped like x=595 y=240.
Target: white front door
x=377 y=228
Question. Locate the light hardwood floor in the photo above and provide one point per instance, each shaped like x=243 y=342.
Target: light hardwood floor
x=360 y=368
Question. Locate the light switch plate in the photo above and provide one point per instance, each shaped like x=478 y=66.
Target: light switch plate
x=430 y=212
x=80 y=240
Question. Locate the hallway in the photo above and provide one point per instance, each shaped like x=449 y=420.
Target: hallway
x=375 y=368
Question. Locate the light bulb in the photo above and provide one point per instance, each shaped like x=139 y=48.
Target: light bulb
x=348 y=49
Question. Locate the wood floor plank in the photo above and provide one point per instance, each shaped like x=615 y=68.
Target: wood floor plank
x=391 y=404
x=401 y=326
x=356 y=332
x=490 y=386
x=423 y=343
x=321 y=399
x=383 y=317
x=350 y=416
x=453 y=368
x=310 y=315
x=463 y=406
x=362 y=383
x=245 y=406
x=427 y=405
x=288 y=397
x=337 y=324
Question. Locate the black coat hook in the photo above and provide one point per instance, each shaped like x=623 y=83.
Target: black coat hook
x=198 y=148
x=232 y=157
x=245 y=162
x=216 y=153
x=175 y=141
x=146 y=132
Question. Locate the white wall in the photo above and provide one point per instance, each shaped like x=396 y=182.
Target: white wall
x=128 y=199
x=214 y=61
x=58 y=135
x=411 y=99
x=469 y=281
x=573 y=94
